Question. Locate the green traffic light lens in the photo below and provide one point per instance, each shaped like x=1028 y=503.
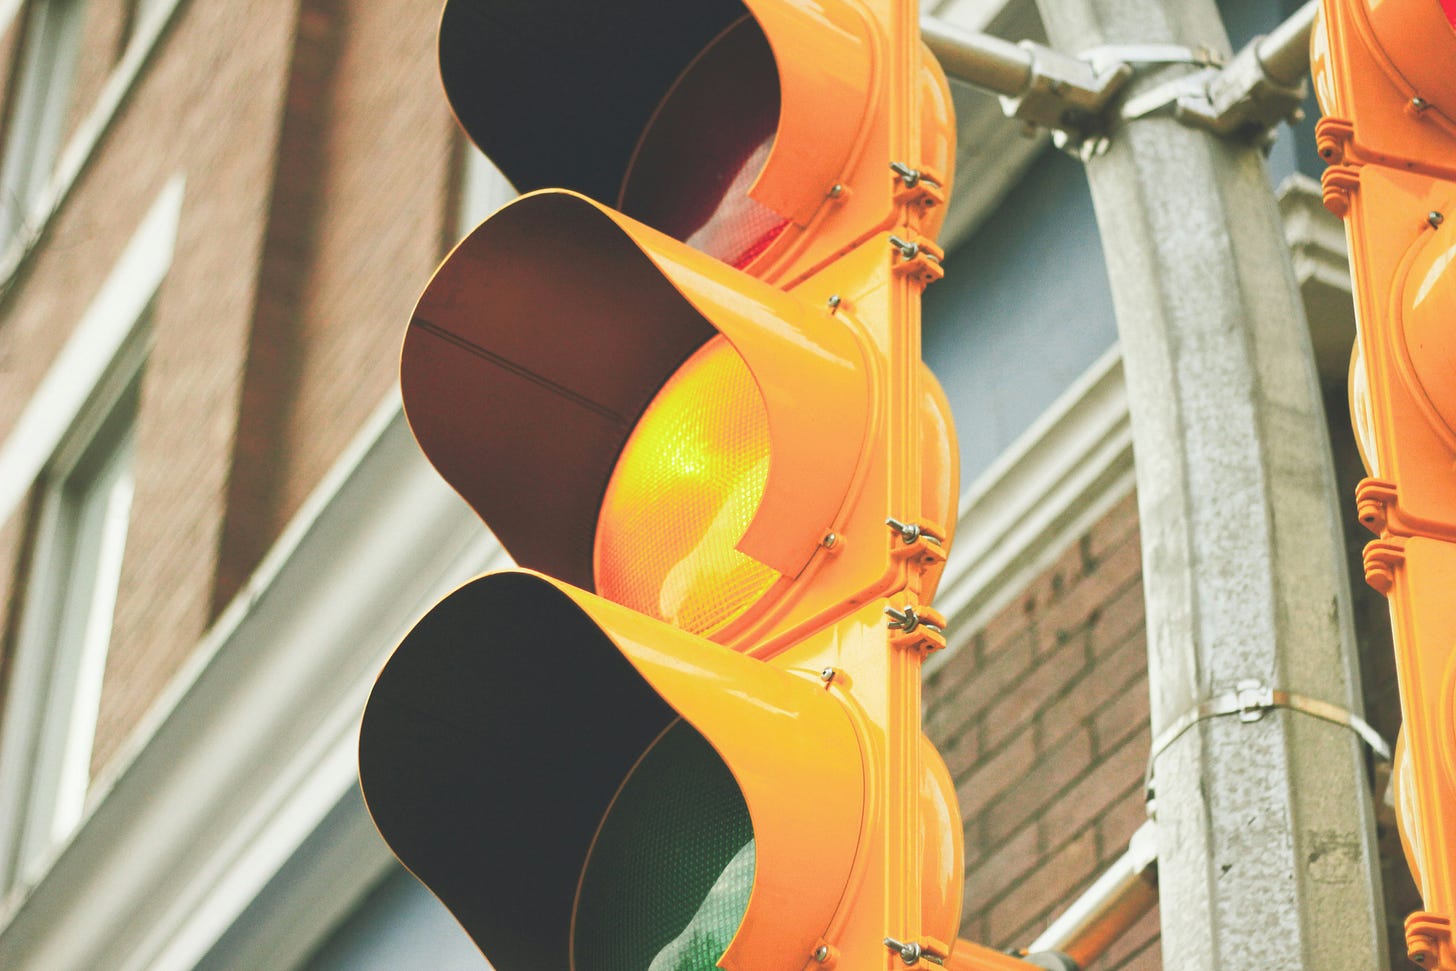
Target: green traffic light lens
x=668 y=877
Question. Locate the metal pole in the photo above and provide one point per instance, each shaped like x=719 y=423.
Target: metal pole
x=976 y=58
x=1117 y=900
x=1285 y=51
x=1266 y=850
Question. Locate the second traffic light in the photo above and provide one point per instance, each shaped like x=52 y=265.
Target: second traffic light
x=1384 y=75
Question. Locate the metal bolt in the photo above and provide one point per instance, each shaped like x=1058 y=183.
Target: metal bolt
x=906 y=620
x=909 y=953
x=909 y=532
x=834 y=302
x=1435 y=219
x=907 y=249
x=1419 y=103
x=827 y=675
x=911 y=177
x=836 y=190
x=821 y=953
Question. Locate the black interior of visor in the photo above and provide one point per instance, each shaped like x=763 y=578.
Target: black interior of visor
x=718 y=114
x=490 y=749
x=557 y=92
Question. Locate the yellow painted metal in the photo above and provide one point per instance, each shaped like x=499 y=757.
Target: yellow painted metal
x=544 y=362
x=1383 y=73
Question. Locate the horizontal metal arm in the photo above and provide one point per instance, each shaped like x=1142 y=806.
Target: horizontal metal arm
x=1037 y=84
x=1260 y=87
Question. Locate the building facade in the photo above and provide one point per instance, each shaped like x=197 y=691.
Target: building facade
x=214 y=524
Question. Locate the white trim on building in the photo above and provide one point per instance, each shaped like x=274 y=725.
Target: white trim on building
x=74 y=439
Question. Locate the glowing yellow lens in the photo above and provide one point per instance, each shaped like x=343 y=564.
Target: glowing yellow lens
x=684 y=491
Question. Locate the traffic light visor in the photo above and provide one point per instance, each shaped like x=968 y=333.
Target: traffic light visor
x=587 y=789
x=719 y=122
x=547 y=336
x=704 y=148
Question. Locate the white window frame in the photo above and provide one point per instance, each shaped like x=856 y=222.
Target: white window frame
x=49 y=698
x=69 y=606
x=50 y=49
x=147 y=33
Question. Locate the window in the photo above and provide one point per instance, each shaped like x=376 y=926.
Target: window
x=85 y=508
x=72 y=451
x=42 y=92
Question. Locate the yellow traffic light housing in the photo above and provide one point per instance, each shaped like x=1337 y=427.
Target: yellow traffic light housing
x=691 y=738
x=1384 y=75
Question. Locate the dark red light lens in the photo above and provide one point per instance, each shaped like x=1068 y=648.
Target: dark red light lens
x=705 y=146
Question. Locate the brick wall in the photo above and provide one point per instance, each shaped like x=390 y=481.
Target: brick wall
x=1042 y=717
x=213 y=105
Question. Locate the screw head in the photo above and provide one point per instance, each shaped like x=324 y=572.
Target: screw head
x=821 y=953
x=1435 y=218
x=1419 y=103
x=827 y=675
x=834 y=302
x=836 y=190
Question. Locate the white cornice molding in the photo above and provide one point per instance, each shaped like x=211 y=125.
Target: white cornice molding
x=992 y=151
x=1060 y=477
x=1318 y=251
x=253 y=744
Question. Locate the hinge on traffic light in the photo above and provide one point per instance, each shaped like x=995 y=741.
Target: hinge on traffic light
x=923 y=543
x=922 y=189
x=916 y=628
x=919 y=259
x=1331 y=135
x=1377 y=503
x=1333 y=138
x=1428 y=939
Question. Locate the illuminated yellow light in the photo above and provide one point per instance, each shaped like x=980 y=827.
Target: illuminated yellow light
x=684 y=491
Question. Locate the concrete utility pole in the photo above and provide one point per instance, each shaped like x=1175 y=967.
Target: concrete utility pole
x=1266 y=849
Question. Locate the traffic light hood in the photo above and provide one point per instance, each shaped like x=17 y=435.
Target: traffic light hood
x=548 y=331
x=499 y=736
x=559 y=93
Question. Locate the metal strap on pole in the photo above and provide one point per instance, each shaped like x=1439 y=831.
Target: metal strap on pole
x=1250 y=700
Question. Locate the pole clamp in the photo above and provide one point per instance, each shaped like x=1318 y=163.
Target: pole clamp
x=1250 y=700
x=1239 y=100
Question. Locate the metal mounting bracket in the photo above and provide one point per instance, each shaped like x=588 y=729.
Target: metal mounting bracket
x=1240 y=100
x=1261 y=86
x=1251 y=700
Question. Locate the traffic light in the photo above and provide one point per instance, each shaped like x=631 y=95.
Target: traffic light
x=1385 y=74
x=687 y=735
